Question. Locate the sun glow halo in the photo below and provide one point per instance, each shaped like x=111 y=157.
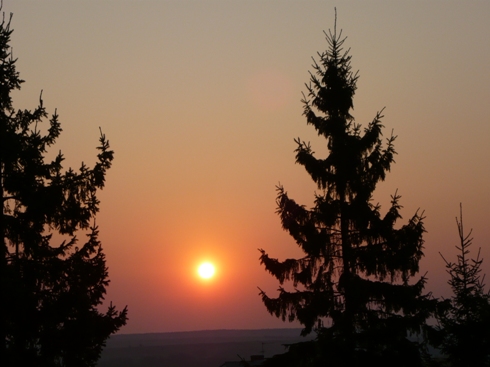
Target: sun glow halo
x=206 y=270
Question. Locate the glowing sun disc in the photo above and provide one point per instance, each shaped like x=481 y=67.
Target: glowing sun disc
x=206 y=270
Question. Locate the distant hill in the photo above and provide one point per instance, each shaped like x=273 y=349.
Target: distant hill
x=207 y=348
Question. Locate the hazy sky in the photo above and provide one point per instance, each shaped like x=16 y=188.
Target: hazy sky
x=201 y=102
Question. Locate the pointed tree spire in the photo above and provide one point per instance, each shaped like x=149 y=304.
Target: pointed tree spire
x=354 y=283
x=463 y=331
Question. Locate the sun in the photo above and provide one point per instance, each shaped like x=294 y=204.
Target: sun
x=206 y=270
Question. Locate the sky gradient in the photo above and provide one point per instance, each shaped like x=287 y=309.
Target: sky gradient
x=200 y=101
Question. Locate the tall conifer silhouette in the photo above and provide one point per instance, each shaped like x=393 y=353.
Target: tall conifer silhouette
x=353 y=284
x=52 y=284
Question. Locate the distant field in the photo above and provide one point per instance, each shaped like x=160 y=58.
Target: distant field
x=209 y=348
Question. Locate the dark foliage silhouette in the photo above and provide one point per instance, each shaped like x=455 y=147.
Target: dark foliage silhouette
x=464 y=319
x=51 y=284
x=353 y=285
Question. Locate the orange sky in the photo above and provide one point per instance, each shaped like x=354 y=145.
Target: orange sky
x=201 y=102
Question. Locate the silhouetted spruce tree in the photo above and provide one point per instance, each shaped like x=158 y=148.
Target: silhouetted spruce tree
x=50 y=289
x=464 y=319
x=353 y=283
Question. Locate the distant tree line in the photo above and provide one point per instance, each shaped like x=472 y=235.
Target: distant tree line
x=357 y=286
